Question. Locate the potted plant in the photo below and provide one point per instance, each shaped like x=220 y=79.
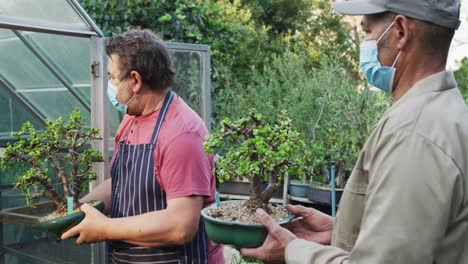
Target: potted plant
x=298 y=187
x=252 y=148
x=55 y=165
x=340 y=147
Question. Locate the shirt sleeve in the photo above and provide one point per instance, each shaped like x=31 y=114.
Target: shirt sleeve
x=185 y=168
x=413 y=188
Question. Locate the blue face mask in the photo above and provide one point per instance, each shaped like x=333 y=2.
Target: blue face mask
x=376 y=74
x=112 y=95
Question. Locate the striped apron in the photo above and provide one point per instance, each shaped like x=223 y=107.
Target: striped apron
x=135 y=190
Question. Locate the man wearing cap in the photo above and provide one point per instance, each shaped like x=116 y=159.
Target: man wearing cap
x=407 y=198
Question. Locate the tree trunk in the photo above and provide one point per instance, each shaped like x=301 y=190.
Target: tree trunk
x=255 y=198
x=76 y=190
x=270 y=190
x=340 y=175
x=60 y=204
x=61 y=174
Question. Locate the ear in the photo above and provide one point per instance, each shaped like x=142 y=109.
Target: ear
x=136 y=76
x=404 y=29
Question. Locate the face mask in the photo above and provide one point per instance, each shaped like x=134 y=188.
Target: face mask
x=112 y=95
x=376 y=74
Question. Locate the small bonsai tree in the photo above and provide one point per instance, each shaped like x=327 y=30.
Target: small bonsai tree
x=60 y=147
x=252 y=148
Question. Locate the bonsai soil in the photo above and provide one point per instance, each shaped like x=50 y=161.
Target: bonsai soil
x=238 y=212
x=55 y=215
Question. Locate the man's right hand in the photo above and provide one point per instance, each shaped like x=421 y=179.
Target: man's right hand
x=311 y=224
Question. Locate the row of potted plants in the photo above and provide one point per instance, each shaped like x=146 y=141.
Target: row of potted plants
x=315 y=192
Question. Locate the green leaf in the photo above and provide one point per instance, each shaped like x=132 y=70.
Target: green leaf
x=165 y=18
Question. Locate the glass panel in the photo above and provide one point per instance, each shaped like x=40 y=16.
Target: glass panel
x=5 y=112
x=31 y=243
x=56 y=102
x=114 y=120
x=55 y=13
x=69 y=55
x=13 y=114
x=20 y=66
x=35 y=82
x=188 y=83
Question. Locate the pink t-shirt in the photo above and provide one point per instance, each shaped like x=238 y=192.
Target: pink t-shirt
x=182 y=167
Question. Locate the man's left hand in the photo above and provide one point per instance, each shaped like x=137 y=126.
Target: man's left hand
x=272 y=250
x=91 y=229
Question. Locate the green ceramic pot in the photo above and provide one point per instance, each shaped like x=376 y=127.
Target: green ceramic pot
x=60 y=225
x=31 y=216
x=236 y=234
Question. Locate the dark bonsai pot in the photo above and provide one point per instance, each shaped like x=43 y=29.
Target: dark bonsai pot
x=237 y=234
x=322 y=194
x=298 y=188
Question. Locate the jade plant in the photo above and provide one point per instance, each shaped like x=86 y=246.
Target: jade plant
x=252 y=148
x=60 y=150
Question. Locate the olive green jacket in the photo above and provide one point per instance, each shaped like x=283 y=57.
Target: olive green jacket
x=407 y=198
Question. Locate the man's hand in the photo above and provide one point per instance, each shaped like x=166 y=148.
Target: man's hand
x=311 y=225
x=91 y=229
x=272 y=250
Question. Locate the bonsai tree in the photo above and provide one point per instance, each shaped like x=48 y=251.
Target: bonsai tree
x=61 y=147
x=262 y=152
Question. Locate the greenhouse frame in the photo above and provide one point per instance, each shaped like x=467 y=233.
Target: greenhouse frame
x=52 y=61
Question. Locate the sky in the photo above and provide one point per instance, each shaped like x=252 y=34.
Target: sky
x=459 y=49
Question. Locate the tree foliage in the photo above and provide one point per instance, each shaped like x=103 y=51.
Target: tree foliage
x=461 y=75
x=281 y=16
x=243 y=35
x=60 y=147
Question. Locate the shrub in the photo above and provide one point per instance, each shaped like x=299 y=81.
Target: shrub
x=461 y=75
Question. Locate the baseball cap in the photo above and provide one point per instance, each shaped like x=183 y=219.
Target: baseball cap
x=444 y=13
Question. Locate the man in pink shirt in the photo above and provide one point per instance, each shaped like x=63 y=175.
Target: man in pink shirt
x=161 y=177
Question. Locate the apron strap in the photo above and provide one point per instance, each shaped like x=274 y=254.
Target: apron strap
x=162 y=114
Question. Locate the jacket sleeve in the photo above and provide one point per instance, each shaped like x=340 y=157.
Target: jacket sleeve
x=414 y=187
